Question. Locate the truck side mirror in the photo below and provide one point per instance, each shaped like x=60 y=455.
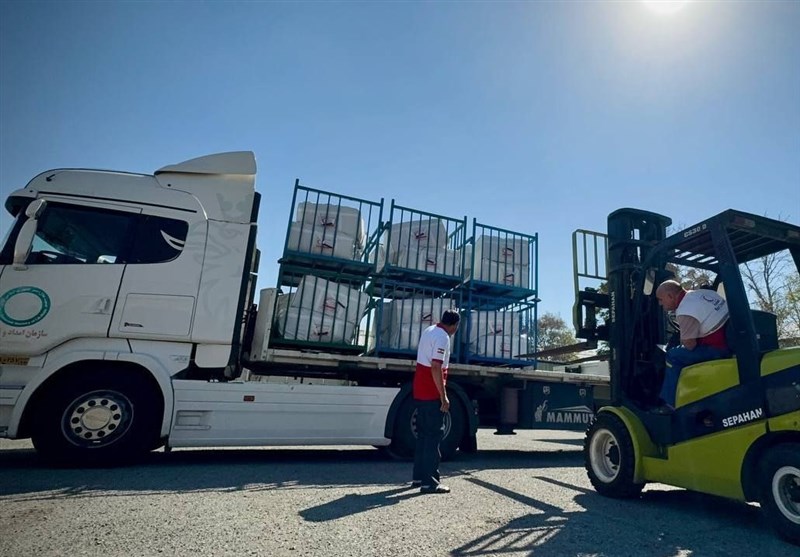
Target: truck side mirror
x=24 y=243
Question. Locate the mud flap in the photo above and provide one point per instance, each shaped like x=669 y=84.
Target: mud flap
x=556 y=406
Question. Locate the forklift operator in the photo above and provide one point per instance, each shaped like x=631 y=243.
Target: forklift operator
x=701 y=316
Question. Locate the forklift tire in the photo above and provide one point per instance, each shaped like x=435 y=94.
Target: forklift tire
x=609 y=457
x=97 y=418
x=780 y=490
x=404 y=437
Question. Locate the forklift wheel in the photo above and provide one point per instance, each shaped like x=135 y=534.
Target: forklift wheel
x=780 y=490
x=609 y=456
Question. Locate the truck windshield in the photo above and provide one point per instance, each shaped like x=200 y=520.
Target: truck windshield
x=74 y=234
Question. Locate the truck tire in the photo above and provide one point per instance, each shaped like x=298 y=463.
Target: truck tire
x=404 y=437
x=780 y=490
x=98 y=418
x=609 y=457
x=455 y=422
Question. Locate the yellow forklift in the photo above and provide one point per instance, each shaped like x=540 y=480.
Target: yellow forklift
x=735 y=431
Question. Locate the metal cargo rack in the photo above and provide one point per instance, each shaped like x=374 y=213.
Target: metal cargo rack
x=420 y=247
x=330 y=233
x=324 y=311
x=501 y=264
x=414 y=255
x=501 y=336
x=402 y=311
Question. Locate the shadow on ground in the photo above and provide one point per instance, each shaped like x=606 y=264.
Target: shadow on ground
x=24 y=474
x=659 y=524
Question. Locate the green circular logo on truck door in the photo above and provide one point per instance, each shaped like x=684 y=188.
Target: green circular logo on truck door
x=23 y=306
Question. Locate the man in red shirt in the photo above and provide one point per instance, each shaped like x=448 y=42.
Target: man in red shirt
x=430 y=398
x=701 y=316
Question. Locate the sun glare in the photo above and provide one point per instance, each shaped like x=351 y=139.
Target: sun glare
x=665 y=6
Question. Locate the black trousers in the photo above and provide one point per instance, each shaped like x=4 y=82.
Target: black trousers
x=430 y=430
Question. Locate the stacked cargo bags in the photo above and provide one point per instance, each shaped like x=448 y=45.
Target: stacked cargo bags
x=438 y=260
x=327 y=229
x=500 y=260
x=501 y=347
x=496 y=334
x=417 y=235
x=321 y=311
x=415 y=265
x=407 y=318
x=421 y=245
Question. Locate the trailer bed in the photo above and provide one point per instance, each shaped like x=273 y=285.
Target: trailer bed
x=278 y=361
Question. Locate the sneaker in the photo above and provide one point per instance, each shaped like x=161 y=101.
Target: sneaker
x=416 y=483
x=434 y=489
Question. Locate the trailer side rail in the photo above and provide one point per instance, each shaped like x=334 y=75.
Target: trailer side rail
x=277 y=359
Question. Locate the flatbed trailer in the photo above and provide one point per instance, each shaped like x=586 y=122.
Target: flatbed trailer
x=128 y=322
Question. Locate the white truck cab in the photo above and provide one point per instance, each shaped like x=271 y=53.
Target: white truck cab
x=107 y=270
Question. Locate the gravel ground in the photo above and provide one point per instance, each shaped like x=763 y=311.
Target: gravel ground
x=522 y=495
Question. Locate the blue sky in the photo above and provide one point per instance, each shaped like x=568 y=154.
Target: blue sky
x=539 y=117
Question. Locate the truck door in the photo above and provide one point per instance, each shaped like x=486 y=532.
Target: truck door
x=68 y=286
x=159 y=290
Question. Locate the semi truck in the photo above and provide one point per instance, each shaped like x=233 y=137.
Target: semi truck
x=129 y=320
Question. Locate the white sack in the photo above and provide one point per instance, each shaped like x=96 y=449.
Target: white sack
x=317 y=295
x=417 y=234
x=499 y=346
x=440 y=261
x=317 y=327
x=337 y=219
x=512 y=250
x=488 y=323
x=322 y=241
x=501 y=273
x=410 y=317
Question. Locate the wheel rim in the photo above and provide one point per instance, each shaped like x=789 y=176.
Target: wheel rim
x=786 y=492
x=97 y=419
x=448 y=423
x=604 y=455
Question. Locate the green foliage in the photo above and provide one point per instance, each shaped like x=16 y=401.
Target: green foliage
x=773 y=284
x=553 y=332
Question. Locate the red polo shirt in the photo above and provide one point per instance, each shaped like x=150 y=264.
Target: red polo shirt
x=434 y=345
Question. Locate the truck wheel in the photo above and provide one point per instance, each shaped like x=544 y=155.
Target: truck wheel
x=404 y=437
x=609 y=457
x=454 y=425
x=96 y=418
x=780 y=490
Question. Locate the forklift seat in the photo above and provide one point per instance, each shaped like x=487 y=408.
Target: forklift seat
x=766 y=325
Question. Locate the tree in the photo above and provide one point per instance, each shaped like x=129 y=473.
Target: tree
x=553 y=332
x=793 y=303
x=692 y=278
x=774 y=286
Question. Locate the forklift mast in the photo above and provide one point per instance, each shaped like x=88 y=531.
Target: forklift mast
x=636 y=322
